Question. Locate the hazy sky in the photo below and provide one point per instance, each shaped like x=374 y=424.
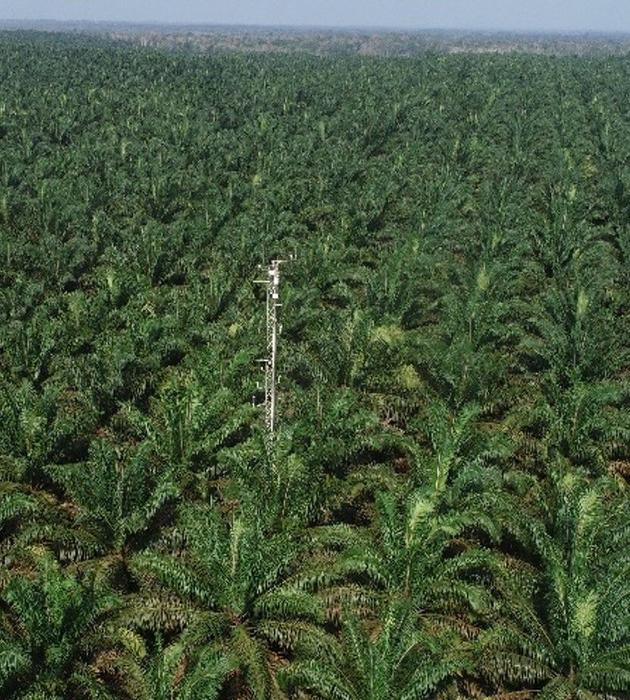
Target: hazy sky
x=483 y=14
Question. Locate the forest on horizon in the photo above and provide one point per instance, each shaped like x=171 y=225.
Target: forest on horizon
x=330 y=41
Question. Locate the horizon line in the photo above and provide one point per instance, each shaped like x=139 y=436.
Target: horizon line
x=323 y=27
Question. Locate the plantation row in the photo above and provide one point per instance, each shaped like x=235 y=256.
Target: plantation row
x=444 y=512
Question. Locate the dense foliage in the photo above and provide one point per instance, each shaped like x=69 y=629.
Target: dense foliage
x=444 y=512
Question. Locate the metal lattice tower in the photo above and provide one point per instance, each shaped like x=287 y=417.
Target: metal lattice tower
x=269 y=364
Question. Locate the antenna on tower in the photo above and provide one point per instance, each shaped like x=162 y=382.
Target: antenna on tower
x=269 y=363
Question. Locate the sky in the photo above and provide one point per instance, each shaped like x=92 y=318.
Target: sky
x=553 y=15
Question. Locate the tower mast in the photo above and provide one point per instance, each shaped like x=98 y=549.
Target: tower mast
x=270 y=363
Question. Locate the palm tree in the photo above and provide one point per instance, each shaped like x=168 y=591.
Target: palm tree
x=427 y=547
x=584 y=424
x=395 y=661
x=117 y=501
x=415 y=552
x=58 y=639
x=29 y=516
x=176 y=672
x=426 y=536
x=226 y=579
x=564 y=625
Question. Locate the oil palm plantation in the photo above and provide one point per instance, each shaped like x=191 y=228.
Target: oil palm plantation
x=442 y=512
